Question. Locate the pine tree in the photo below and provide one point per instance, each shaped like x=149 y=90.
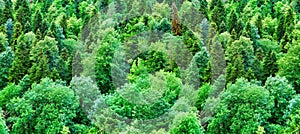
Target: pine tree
x=280 y=31
x=175 y=21
x=203 y=7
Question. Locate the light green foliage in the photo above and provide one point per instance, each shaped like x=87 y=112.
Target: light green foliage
x=289 y=66
x=243 y=108
x=46 y=108
x=282 y=92
x=6 y=59
x=8 y=93
x=186 y=124
x=202 y=96
x=3 y=127
x=292 y=115
x=21 y=63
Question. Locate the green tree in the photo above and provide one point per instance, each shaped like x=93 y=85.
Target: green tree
x=40 y=69
x=282 y=93
x=3 y=127
x=23 y=13
x=292 y=115
x=46 y=108
x=37 y=21
x=218 y=14
x=243 y=108
x=186 y=124
x=231 y=20
x=21 y=64
x=6 y=59
x=16 y=33
x=6 y=12
x=203 y=93
x=270 y=65
x=289 y=66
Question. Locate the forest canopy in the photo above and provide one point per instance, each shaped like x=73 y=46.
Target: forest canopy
x=149 y=66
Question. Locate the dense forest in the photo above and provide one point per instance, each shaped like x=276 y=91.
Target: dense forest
x=149 y=66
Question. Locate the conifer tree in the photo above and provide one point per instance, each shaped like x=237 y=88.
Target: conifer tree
x=6 y=13
x=231 y=21
x=9 y=26
x=23 y=13
x=40 y=69
x=21 y=64
x=218 y=13
x=270 y=65
x=17 y=32
x=235 y=69
x=176 y=29
x=37 y=21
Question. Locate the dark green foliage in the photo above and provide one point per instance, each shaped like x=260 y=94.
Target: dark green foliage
x=16 y=33
x=218 y=14
x=6 y=12
x=231 y=21
x=103 y=61
x=23 y=13
x=270 y=65
x=37 y=21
